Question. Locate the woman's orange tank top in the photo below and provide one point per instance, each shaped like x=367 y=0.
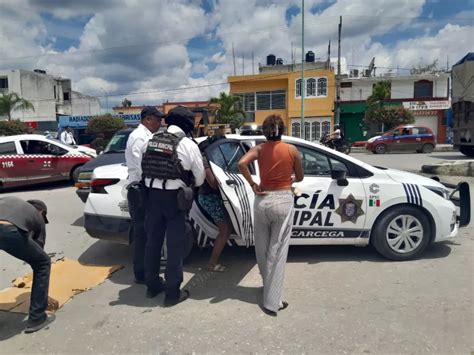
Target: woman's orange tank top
x=276 y=165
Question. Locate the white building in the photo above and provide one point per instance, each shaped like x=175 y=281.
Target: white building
x=427 y=95
x=50 y=95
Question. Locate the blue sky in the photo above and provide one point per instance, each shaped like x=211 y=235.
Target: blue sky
x=169 y=44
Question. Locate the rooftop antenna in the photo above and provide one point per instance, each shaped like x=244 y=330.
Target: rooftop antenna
x=329 y=55
x=253 y=65
x=233 y=59
x=447 y=62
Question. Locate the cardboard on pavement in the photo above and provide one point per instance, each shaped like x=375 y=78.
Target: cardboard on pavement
x=68 y=278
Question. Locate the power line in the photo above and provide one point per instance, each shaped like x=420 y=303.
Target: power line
x=315 y=22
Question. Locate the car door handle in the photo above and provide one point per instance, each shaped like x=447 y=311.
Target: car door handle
x=231 y=182
x=31 y=161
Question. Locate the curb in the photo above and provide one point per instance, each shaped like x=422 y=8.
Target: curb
x=443 y=148
x=456 y=167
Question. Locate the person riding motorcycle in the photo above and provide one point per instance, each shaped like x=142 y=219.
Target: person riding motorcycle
x=336 y=136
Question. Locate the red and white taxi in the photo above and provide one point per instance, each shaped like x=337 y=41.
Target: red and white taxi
x=31 y=158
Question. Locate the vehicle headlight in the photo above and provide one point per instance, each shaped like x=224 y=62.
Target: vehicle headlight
x=439 y=191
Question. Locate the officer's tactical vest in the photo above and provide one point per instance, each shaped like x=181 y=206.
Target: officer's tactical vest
x=160 y=160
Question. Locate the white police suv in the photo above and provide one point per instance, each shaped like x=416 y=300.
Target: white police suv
x=340 y=201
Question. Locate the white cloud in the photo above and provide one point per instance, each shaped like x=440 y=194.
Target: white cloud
x=147 y=40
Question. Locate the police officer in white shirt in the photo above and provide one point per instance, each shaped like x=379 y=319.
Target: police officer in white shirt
x=163 y=215
x=137 y=141
x=67 y=137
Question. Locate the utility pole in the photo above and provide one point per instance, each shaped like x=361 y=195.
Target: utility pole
x=243 y=63
x=302 y=71
x=233 y=59
x=338 y=78
x=253 y=65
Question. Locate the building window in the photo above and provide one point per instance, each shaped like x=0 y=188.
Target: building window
x=55 y=92
x=3 y=83
x=315 y=87
x=325 y=128
x=423 y=89
x=347 y=84
x=295 y=129
x=263 y=100
x=311 y=87
x=278 y=99
x=322 y=87
x=298 y=88
x=66 y=96
x=249 y=101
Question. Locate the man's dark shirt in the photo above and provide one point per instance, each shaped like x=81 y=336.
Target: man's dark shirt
x=24 y=216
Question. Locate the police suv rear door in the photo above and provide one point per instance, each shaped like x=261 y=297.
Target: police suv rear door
x=238 y=197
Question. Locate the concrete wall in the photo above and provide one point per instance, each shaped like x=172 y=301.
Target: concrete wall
x=47 y=94
x=84 y=105
x=402 y=86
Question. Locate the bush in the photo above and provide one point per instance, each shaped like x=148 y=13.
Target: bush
x=106 y=124
x=390 y=116
x=11 y=128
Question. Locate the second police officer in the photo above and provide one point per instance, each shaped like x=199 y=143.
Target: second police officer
x=169 y=164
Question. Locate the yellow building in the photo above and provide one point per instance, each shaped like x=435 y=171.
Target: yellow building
x=277 y=90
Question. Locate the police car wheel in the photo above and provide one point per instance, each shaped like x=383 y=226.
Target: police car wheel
x=401 y=233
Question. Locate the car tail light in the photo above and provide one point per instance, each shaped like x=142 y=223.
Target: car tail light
x=98 y=185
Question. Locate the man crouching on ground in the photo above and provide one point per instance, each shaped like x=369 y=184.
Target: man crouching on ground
x=22 y=235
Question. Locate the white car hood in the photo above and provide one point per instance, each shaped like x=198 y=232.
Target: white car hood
x=404 y=177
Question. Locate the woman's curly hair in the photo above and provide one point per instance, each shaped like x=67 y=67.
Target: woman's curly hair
x=273 y=127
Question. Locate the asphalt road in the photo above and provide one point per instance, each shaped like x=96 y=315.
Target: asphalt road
x=342 y=299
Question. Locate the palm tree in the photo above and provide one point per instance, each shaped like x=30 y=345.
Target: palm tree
x=12 y=102
x=226 y=110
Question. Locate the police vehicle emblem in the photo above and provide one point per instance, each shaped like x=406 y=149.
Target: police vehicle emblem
x=350 y=209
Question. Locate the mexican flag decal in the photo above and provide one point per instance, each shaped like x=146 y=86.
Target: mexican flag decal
x=374 y=202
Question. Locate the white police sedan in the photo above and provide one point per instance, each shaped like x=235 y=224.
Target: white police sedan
x=340 y=201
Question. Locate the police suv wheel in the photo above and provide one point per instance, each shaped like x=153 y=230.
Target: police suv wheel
x=402 y=233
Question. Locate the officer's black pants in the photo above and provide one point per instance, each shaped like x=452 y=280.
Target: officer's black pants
x=163 y=217
x=18 y=244
x=136 y=197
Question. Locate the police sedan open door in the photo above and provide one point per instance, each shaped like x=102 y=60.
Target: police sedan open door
x=237 y=194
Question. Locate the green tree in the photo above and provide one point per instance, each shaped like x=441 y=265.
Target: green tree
x=12 y=128
x=126 y=103
x=226 y=110
x=12 y=102
x=379 y=109
x=105 y=124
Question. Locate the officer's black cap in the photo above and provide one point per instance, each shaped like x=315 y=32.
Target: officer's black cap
x=182 y=117
x=151 y=111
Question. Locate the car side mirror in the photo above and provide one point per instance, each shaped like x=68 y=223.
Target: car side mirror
x=340 y=176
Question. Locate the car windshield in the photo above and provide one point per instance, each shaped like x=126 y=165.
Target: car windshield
x=118 y=143
x=62 y=144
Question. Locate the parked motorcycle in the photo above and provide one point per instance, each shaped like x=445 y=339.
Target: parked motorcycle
x=342 y=147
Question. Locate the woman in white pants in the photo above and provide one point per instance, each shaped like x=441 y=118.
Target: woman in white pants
x=273 y=207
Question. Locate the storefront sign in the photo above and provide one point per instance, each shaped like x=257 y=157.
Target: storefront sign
x=32 y=124
x=425 y=113
x=427 y=105
x=81 y=121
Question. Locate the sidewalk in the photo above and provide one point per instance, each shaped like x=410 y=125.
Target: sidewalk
x=438 y=148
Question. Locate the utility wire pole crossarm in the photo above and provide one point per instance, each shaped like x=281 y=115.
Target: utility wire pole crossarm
x=302 y=71
x=338 y=77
